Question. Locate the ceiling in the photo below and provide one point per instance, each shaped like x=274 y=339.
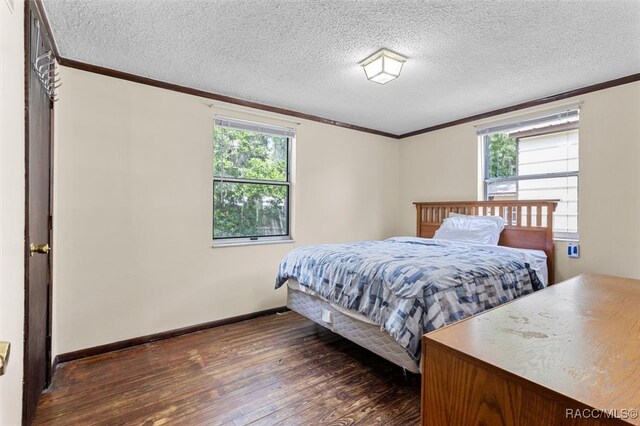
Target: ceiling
x=464 y=57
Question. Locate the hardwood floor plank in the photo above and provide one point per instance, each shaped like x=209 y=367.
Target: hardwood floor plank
x=279 y=369
x=355 y=398
x=145 y=367
x=307 y=392
x=243 y=401
x=317 y=401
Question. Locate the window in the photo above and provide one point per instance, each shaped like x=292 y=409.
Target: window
x=536 y=159
x=251 y=181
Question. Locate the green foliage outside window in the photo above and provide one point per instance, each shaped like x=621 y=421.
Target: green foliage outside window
x=503 y=158
x=249 y=209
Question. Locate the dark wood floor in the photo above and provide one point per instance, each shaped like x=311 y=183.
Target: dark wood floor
x=279 y=369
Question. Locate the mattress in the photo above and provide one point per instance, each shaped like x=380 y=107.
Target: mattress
x=384 y=295
x=350 y=325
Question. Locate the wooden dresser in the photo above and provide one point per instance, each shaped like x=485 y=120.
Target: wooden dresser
x=559 y=356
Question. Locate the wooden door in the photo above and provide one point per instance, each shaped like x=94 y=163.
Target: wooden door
x=38 y=226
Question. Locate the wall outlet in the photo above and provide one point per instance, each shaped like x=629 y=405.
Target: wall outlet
x=573 y=250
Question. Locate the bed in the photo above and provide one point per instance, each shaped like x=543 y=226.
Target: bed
x=383 y=295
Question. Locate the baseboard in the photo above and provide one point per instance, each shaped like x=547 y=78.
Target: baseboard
x=124 y=344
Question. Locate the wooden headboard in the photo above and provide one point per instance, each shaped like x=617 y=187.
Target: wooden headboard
x=528 y=224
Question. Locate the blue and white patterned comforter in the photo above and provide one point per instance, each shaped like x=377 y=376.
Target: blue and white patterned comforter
x=410 y=286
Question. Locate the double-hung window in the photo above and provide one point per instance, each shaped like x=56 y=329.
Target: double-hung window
x=534 y=159
x=251 y=181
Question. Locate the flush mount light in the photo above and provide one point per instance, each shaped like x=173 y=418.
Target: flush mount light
x=383 y=66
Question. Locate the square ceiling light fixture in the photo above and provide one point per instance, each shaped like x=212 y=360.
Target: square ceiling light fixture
x=383 y=66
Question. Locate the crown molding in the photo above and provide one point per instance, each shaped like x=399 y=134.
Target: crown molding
x=71 y=63
x=540 y=101
x=214 y=96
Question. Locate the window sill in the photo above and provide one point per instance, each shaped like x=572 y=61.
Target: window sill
x=566 y=239
x=251 y=243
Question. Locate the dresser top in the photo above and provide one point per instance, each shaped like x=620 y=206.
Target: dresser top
x=579 y=338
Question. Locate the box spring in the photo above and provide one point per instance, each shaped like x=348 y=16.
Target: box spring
x=359 y=331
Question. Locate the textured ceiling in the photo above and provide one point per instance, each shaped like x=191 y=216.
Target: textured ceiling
x=465 y=57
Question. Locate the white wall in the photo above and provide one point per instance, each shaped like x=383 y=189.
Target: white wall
x=132 y=211
x=12 y=207
x=443 y=165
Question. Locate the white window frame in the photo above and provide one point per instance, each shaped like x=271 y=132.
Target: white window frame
x=484 y=135
x=253 y=126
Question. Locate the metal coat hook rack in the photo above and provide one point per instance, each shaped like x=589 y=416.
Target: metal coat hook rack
x=46 y=69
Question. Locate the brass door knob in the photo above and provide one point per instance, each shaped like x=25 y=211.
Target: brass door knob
x=40 y=248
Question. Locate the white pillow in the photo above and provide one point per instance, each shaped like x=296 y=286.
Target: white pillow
x=474 y=229
x=472 y=222
x=477 y=236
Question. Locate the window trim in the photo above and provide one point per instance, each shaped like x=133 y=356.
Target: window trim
x=532 y=177
x=485 y=135
x=260 y=239
x=244 y=242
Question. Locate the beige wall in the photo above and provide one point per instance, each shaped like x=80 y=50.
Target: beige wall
x=12 y=207
x=132 y=204
x=443 y=165
x=132 y=211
